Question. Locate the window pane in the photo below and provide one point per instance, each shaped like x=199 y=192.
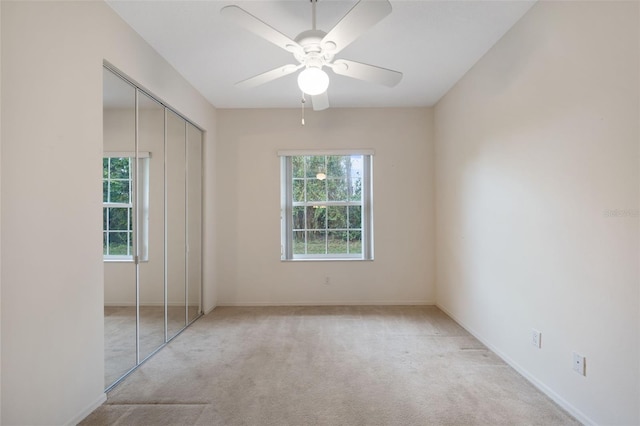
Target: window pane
x=337 y=217
x=298 y=166
x=105 y=191
x=337 y=242
x=298 y=190
x=337 y=189
x=316 y=190
x=119 y=219
x=105 y=168
x=104 y=219
x=316 y=217
x=298 y=242
x=336 y=166
x=356 y=166
x=316 y=242
x=355 y=217
x=119 y=243
x=119 y=168
x=355 y=242
x=104 y=243
x=356 y=189
x=298 y=217
x=315 y=165
x=119 y=191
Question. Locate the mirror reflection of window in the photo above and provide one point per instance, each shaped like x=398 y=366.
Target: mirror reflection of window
x=117 y=210
x=118 y=183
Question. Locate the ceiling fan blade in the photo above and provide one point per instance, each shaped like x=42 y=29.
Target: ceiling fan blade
x=364 y=15
x=268 y=76
x=366 y=72
x=320 y=101
x=256 y=26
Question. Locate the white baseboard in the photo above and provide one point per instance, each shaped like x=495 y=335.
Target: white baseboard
x=334 y=303
x=571 y=409
x=130 y=304
x=84 y=413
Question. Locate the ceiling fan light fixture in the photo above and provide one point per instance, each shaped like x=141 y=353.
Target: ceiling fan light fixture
x=313 y=81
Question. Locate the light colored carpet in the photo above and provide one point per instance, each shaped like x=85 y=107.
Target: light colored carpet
x=351 y=365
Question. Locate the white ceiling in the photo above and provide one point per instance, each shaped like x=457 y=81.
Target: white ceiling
x=433 y=43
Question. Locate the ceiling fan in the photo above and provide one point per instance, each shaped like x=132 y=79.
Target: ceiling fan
x=315 y=49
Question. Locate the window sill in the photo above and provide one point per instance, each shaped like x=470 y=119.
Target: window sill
x=329 y=259
x=122 y=260
x=117 y=260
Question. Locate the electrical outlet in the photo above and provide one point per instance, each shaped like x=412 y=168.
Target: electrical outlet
x=579 y=364
x=536 y=338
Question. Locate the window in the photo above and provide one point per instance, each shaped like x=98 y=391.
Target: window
x=119 y=217
x=117 y=198
x=326 y=205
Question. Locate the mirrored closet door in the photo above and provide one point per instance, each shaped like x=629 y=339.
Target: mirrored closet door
x=152 y=225
x=176 y=167
x=118 y=169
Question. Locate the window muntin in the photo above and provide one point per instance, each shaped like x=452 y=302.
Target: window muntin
x=326 y=206
x=117 y=194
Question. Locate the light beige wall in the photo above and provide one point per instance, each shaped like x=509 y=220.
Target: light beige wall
x=248 y=172
x=52 y=278
x=537 y=148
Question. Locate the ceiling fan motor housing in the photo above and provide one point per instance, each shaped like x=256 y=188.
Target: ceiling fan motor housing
x=315 y=53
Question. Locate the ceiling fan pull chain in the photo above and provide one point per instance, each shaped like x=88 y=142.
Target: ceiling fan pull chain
x=302 y=106
x=313 y=14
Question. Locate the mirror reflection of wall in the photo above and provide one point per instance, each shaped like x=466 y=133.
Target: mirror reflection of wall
x=194 y=222
x=176 y=223
x=152 y=225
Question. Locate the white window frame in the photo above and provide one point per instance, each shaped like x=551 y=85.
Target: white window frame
x=138 y=178
x=287 y=204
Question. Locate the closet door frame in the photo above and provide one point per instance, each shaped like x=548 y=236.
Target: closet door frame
x=135 y=170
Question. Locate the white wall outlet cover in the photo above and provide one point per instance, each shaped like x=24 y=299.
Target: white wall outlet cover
x=536 y=338
x=579 y=364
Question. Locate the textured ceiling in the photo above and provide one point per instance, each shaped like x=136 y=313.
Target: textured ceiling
x=434 y=43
